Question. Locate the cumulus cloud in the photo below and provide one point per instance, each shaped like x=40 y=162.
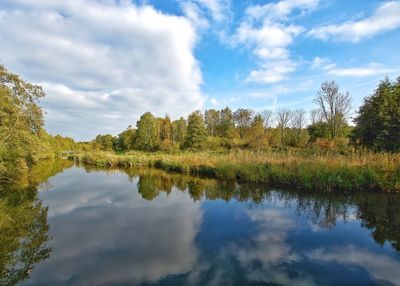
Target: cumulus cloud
x=102 y=63
x=385 y=18
x=265 y=29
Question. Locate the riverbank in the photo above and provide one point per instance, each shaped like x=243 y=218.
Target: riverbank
x=300 y=170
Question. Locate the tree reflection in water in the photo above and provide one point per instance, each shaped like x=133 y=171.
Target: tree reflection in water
x=23 y=223
x=380 y=213
x=23 y=234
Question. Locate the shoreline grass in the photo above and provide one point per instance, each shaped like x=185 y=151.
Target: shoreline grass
x=300 y=170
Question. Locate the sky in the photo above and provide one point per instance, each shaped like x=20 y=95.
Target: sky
x=103 y=63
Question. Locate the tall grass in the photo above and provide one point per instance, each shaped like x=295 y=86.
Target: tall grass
x=365 y=171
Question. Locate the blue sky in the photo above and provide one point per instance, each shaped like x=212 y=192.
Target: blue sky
x=103 y=63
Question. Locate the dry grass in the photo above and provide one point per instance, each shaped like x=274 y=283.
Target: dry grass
x=294 y=167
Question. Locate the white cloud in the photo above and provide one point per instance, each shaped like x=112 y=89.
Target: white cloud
x=265 y=31
x=101 y=60
x=272 y=72
x=385 y=18
x=217 y=8
x=195 y=14
x=371 y=70
x=282 y=9
x=318 y=62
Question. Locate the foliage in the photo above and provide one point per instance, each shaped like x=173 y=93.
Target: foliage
x=196 y=131
x=378 y=120
x=146 y=136
x=23 y=141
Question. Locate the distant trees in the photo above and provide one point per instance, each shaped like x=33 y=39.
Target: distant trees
x=212 y=119
x=146 y=135
x=283 y=117
x=196 y=131
x=105 y=142
x=126 y=140
x=378 y=120
x=334 y=106
x=179 y=130
x=324 y=127
x=226 y=125
x=268 y=118
x=243 y=119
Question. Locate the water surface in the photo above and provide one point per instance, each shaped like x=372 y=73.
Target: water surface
x=147 y=227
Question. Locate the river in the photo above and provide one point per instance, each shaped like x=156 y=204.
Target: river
x=86 y=226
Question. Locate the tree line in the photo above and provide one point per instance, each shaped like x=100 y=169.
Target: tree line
x=377 y=126
x=24 y=141
x=243 y=128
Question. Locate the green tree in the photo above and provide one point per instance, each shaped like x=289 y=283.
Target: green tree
x=166 y=129
x=179 y=130
x=378 y=120
x=243 y=119
x=196 y=131
x=104 y=142
x=146 y=136
x=22 y=137
x=226 y=125
x=212 y=119
x=256 y=133
x=319 y=129
x=126 y=139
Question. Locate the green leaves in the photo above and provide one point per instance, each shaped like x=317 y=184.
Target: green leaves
x=378 y=121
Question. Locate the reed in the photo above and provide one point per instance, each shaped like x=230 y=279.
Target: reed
x=364 y=171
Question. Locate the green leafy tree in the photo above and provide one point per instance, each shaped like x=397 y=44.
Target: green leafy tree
x=179 y=130
x=22 y=137
x=196 y=131
x=166 y=129
x=378 y=120
x=319 y=129
x=226 y=127
x=243 y=119
x=212 y=119
x=256 y=133
x=146 y=136
x=126 y=139
x=104 y=142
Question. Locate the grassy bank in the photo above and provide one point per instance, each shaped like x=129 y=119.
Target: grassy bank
x=301 y=170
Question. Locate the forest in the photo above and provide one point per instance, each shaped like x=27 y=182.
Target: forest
x=323 y=149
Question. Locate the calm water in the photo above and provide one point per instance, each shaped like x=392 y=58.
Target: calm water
x=152 y=228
